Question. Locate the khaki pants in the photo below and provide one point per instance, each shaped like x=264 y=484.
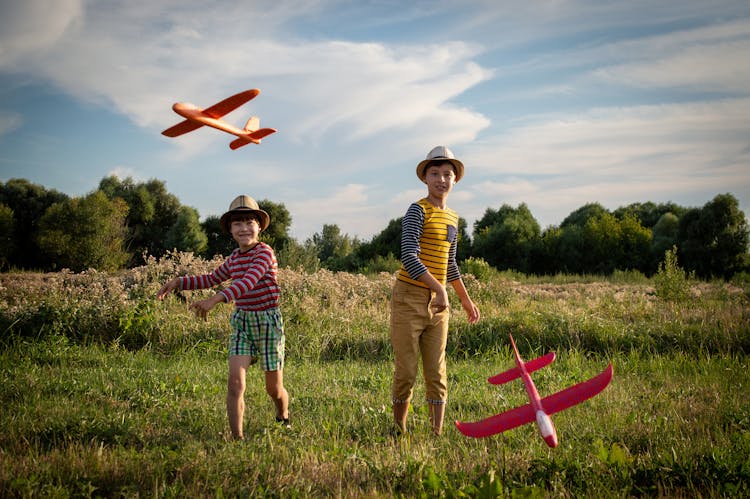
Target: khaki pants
x=416 y=330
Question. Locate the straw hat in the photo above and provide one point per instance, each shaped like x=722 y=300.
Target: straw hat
x=244 y=204
x=440 y=153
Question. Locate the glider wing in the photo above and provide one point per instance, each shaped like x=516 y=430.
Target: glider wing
x=498 y=423
x=230 y=103
x=577 y=393
x=182 y=127
x=514 y=373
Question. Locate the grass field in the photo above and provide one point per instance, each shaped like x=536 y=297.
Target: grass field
x=106 y=392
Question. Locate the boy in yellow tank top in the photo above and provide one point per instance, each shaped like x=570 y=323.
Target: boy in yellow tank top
x=419 y=300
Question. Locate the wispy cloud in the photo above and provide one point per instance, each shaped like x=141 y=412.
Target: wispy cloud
x=141 y=59
x=680 y=138
x=31 y=27
x=348 y=204
x=708 y=59
x=9 y=121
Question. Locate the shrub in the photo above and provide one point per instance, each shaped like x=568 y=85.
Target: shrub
x=671 y=281
x=479 y=268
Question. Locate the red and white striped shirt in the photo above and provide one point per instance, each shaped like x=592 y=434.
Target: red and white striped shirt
x=253 y=275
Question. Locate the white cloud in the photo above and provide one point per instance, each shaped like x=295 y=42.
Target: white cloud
x=649 y=141
x=346 y=206
x=141 y=60
x=9 y=122
x=712 y=59
x=32 y=26
x=123 y=172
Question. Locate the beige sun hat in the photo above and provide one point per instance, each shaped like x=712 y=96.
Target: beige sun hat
x=440 y=153
x=244 y=204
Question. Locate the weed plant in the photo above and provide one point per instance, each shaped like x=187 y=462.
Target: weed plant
x=671 y=281
x=107 y=392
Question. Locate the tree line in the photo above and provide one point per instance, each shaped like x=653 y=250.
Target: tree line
x=123 y=222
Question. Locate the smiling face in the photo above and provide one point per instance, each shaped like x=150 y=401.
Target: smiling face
x=245 y=230
x=440 y=179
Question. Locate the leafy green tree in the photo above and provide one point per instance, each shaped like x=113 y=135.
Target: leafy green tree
x=299 y=256
x=387 y=242
x=141 y=209
x=601 y=241
x=82 y=233
x=152 y=213
x=28 y=202
x=377 y=252
x=186 y=234
x=582 y=215
x=649 y=213
x=505 y=238
x=593 y=240
x=166 y=211
x=333 y=247
x=277 y=233
x=571 y=250
x=714 y=239
x=465 y=247
x=218 y=242
x=7 y=225
x=602 y=245
x=635 y=243
x=545 y=253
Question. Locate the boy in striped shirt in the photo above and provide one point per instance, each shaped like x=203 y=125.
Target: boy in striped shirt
x=257 y=325
x=419 y=300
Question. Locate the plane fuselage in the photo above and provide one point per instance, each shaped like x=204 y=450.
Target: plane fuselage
x=194 y=113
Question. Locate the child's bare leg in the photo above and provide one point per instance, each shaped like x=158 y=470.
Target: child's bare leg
x=236 y=393
x=275 y=389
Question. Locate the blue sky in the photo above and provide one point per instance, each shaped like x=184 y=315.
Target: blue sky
x=553 y=103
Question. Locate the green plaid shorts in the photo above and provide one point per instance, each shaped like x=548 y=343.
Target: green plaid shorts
x=259 y=334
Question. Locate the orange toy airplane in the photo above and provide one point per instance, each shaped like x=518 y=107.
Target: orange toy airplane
x=538 y=409
x=196 y=117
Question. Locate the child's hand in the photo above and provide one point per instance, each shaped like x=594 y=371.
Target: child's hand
x=440 y=302
x=168 y=288
x=203 y=307
x=472 y=312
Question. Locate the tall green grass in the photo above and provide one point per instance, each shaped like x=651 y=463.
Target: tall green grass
x=106 y=392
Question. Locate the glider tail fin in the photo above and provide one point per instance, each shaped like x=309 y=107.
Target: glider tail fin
x=252 y=124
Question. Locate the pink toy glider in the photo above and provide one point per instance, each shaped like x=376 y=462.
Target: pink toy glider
x=538 y=409
x=196 y=117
